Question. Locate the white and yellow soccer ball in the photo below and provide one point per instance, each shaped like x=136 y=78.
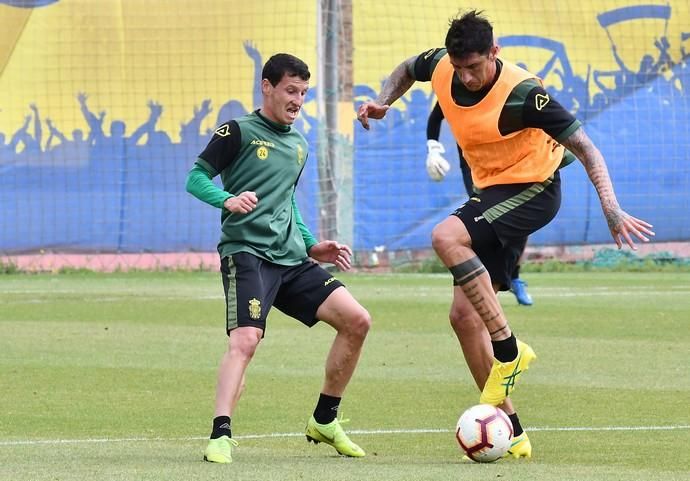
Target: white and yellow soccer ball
x=484 y=433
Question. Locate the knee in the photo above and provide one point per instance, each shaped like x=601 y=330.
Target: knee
x=360 y=324
x=442 y=239
x=243 y=343
x=449 y=235
x=456 y=319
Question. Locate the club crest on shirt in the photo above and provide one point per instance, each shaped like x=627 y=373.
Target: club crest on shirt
x=254 y=308
x=300 y=155
x=262 y=152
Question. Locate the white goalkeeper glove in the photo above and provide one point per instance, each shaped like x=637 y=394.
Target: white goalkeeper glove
x=436 y=166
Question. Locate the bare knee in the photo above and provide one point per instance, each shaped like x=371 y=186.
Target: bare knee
x=441 y=239
x=448 y=236
x=357 y=325
x=343 y=313
x=243 y=342
x=353 y=326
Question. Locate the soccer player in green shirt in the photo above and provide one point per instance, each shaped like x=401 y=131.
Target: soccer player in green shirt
x=265 y=249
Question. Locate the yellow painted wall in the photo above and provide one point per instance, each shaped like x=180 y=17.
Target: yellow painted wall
x=123 y=53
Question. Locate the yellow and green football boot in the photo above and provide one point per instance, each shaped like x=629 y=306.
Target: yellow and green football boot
x=520 y=447
x=504 y=375
x=219 y=450
x=333 y=435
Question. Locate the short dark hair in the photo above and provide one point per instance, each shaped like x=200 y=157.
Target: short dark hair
x=284 y=64
x=471 y=33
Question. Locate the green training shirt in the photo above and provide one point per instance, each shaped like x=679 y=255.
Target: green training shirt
x=252 y=153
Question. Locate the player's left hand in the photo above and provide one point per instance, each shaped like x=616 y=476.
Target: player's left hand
x=623 y=226
x=333 y=252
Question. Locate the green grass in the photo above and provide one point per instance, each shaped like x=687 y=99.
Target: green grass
x=111 y=377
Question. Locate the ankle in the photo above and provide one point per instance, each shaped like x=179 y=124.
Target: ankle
x=326 y=408
x=221 y=427
x=505 y=350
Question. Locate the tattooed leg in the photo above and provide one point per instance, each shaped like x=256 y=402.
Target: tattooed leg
x=471 y=276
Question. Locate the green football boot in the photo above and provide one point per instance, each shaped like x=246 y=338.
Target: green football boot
x=219 y=450
x=333 y=435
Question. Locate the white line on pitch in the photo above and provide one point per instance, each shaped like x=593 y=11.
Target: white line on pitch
x=354 y=431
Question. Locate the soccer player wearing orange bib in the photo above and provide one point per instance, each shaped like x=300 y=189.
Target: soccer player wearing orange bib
x=514 y=137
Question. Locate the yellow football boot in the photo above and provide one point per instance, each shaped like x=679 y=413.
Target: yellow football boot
x=520 y=447
x=219 y=450
x=333 y=435
x=504 y=375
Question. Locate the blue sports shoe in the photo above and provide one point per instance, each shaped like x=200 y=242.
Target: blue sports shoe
x=519 y=288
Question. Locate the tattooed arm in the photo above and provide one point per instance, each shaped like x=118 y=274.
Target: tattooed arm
x=399 y=82
x=620 y=223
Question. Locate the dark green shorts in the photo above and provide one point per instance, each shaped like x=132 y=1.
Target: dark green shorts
x=252 y=285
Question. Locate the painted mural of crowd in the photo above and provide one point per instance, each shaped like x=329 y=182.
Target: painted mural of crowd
x=657 y=71
x=39 y=139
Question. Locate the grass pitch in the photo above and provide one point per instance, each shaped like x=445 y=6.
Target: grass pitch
x=111 y=377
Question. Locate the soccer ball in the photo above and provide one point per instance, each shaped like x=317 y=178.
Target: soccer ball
x=484 y=433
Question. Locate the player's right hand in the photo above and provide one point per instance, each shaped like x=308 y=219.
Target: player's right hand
x=370 y=110
x=243 y=203
x=436 y=165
